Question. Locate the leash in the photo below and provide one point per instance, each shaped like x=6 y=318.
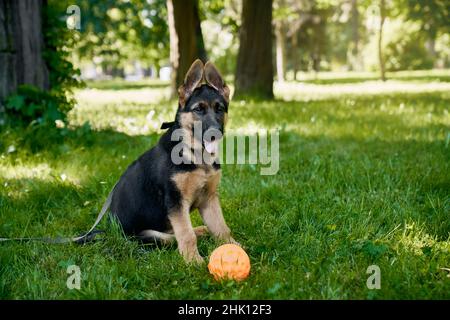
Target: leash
x=81 y=239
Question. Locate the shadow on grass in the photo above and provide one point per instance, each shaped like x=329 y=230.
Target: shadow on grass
x=53 y=208
x=30 y=143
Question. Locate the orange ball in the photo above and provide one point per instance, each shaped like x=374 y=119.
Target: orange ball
x=229 y=261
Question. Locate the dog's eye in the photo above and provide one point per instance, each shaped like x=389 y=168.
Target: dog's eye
x=198 y=108
x=219 y=107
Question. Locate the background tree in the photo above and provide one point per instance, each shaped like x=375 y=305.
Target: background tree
x=304 y=38
x=280 y=15
x=36 y=75
x=254 y=70
x=186 y=39
x=22 y=46
x=380 y=39
x=117 y=33
x=433 y=17
x=222 y=17
x=355 y=54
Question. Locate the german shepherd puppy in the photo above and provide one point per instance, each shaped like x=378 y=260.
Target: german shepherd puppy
x=153 y=198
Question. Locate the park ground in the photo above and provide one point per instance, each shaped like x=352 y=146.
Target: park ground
x=363 y=180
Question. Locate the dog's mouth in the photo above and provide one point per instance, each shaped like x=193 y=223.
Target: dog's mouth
x=211 y=146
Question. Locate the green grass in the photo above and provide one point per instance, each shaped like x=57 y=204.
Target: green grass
x=363 y=180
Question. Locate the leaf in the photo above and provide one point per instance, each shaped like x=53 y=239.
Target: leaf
x=15 y=102
x=31 y=109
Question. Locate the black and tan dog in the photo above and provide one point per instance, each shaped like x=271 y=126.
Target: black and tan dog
x=154 y=197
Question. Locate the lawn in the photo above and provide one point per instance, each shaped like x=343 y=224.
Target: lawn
x=363 y=180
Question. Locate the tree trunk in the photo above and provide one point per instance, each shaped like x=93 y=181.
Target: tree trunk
x=294 y=56
x=254 y=71
x=380 y=40
x=430 y=45
x=157 y=69
x=315 y=57
x=186 y=39
x=21 y=46
x=280 y=50
x=355 y=64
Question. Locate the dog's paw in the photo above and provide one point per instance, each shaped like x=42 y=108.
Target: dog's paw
x=192 y=255
x=194 y=259
x=232 y=241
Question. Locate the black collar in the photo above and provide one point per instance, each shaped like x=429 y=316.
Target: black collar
x=167 y=125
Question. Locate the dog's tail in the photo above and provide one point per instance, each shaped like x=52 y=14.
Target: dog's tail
x=87 y=237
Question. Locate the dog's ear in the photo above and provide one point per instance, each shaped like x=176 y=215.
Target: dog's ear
x=193 y=78
x=214 y=79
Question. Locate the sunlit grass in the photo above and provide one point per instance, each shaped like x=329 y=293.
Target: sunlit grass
x=131 y=111
x=308 y=92
x=330 y=77
x=143 y=111
x=363 y=179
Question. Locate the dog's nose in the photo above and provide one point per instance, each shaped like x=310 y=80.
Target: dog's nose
x=213 y=133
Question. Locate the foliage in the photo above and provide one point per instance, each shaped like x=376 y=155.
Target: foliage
x=341 y=34
x=405 y=49
x=320 y=35
x=39 y=108
x=306 y=24
x=46 y=122
x=433 y=15
x=30 y=104
x=120 y=32
x=59 y=41
x=221 y=17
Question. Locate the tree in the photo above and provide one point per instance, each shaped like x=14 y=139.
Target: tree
x=280 y=50
x=22 y=46
x=355 y=62
x=280 y=16
x=254 y=71
x=380 y=40
x=433 y=16
x=224 y=17
x=303 y=35
x=186 y=39
x=122 y=32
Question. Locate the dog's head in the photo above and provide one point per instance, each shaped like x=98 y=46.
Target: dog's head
x=205 y=104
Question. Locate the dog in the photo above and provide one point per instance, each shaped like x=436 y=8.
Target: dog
x=154 y=197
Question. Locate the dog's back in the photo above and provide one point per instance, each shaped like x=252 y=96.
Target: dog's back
x=140 y=197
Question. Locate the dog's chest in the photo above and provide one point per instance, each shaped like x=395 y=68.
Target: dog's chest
x=197 y=185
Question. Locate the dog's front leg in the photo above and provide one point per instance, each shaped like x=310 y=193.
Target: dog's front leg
x=185 y=235
x=212 y=216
